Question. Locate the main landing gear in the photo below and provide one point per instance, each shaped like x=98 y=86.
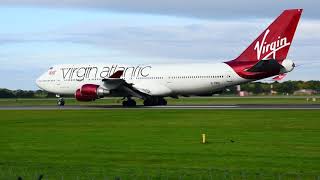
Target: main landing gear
x=60 y=102
x=129 y=103
x=150 y=101
x=155 y=101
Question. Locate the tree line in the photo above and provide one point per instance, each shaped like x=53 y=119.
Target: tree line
x=6 y=93
x=287 y=87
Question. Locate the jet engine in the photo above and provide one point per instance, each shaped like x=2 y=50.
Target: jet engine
x=90 y=92
x=288 y=66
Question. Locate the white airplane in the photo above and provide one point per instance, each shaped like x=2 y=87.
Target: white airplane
x=264 y=58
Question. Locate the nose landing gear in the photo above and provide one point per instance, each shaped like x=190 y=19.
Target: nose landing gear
x=60 y=102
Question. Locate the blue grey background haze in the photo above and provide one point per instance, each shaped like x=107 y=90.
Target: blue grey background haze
x=36 y=34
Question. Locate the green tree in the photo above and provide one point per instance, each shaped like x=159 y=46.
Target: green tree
x=287 y=87
x=24 y=94
x=6 y=93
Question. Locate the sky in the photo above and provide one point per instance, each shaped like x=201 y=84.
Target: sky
x=36 y=34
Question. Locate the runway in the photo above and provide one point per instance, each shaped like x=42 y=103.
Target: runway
x=108 y=107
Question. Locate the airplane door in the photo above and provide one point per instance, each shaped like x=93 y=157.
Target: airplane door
x=58 y=83
x=228 y=78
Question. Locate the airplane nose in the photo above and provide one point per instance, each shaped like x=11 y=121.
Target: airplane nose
x=38 y=82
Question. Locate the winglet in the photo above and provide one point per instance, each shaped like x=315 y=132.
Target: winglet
x=117 y=74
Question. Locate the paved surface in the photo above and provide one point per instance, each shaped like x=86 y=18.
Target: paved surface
x=101 y=107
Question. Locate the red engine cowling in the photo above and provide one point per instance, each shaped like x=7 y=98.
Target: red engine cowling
x=90 y=92
x=81 y=97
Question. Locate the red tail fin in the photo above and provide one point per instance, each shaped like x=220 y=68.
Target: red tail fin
x=275 y=41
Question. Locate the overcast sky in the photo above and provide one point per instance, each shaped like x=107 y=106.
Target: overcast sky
x=36 y=34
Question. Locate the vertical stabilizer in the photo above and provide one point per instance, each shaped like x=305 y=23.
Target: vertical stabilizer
x=275 y=41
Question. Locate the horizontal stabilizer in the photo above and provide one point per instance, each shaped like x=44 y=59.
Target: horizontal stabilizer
x=266 y=66
x=279 y=77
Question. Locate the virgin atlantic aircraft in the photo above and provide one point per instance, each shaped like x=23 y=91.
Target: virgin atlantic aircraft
x=264 y=58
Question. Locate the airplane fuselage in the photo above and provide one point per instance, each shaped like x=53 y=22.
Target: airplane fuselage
x=156 y=80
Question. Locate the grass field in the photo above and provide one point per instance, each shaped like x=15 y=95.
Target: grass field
x=138 y=144
x=190 y=101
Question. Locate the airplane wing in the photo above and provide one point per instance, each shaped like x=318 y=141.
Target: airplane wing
x=141 y=90
x=114 y=82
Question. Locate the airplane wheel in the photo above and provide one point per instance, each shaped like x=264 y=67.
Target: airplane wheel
x=147 y=102
x=156 y=101
x=132 y=103
x=163 y=102
x=60 y=102
x=124 y=103
x=129 y=103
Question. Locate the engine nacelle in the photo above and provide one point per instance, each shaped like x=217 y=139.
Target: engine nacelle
x=81 y=97
x=90 y=92
x=288 y=66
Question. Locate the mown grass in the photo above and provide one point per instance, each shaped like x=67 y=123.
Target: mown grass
x=185 y=101
x=164 y=143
